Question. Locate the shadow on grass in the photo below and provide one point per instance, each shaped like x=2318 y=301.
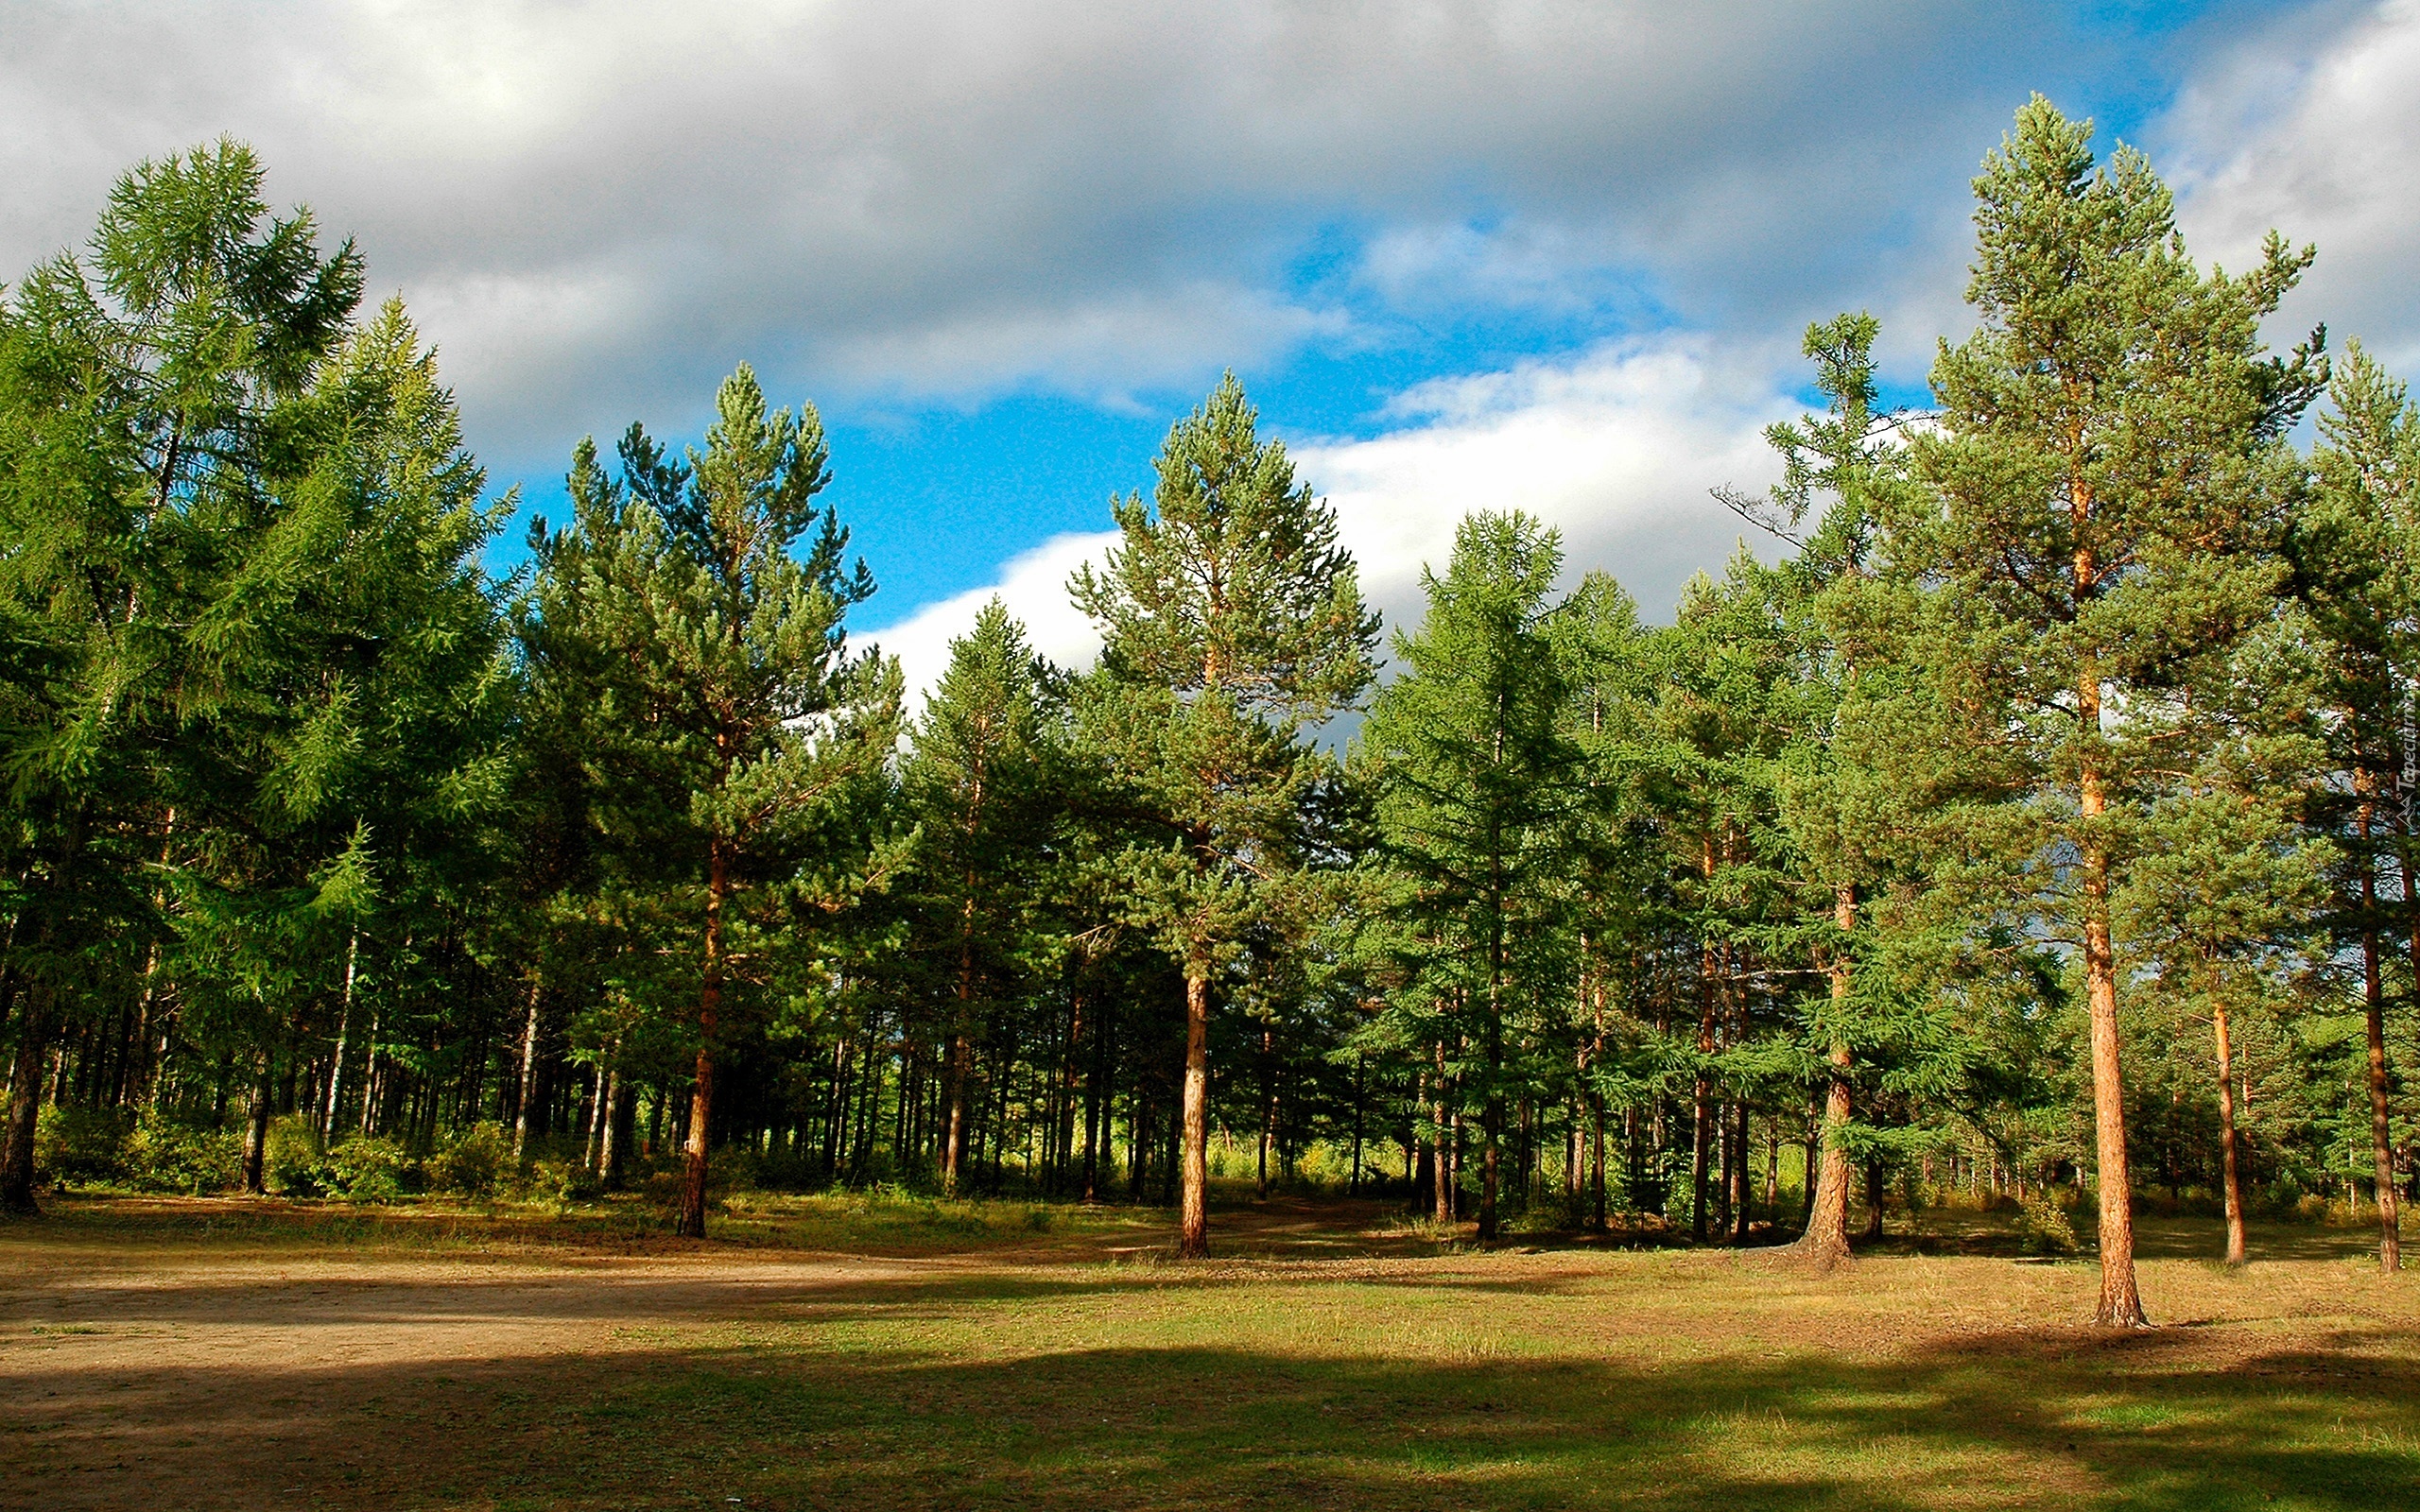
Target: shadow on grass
x=2014 y=1420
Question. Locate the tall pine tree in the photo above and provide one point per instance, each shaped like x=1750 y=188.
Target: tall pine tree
x=1232 y=625
x=2102 y=494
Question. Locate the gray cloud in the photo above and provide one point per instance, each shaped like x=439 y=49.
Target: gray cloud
x=595 y=210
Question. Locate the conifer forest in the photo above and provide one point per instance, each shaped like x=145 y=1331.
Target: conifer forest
x=2020 y=822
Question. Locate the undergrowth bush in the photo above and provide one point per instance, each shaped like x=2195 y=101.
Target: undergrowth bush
x=164 y=1156
x=2044 y=1226
x=290 y=1163
x=369 y=1169
x=80 y=1146
x=558 y=1180
x=471 y=1163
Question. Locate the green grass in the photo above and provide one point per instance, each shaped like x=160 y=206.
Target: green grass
x=955 y=1355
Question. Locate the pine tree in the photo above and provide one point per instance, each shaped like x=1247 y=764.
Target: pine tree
x=2104 y=482
x=727 y=715
x=2357 y=569
x=1232 y=623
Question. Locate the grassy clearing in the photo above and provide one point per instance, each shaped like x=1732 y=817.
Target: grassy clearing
x=853 y=1353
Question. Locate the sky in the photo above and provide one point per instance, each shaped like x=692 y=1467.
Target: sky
x=1534 y=255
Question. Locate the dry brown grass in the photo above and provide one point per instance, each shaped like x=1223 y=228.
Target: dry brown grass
x=228 y=1355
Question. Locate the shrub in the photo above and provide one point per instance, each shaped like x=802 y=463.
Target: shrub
x=163 y=1155
x=79 y=1146
x=2044 y=1226
x=473 y=1164
x=559 y=1181
x=368 y=1169
x=290 y=1163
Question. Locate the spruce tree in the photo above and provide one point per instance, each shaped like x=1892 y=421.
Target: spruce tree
x=1474 y=776
x=1836 y=467
x=1723 y=715
x=2093 y=543
x=976 y=780
x=150 y=394
x=1231 y=624
x=1617 y=895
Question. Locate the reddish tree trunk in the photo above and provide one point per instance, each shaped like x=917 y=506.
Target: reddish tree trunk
x=1193 y=1223
x=2121 y=1301
x=692 y=1222
x=1825 y=1240
x=2227 y=1164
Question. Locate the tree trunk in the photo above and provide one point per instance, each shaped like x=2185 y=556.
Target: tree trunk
x=1361 y=1095
x=1193 y=1223
x=1700 y=1132
x=2374 y=1003
x=1597 y=1162
x=1738 y=1155
x=954 y=1143
x=960 y=1052
x=1070 y=1085
x=1267 y=1113
x=593 y=1155
x=24 y=1101
x=327 y=1120
x=617 y=1117
x=1096 y=1116
x=526 y=1111
x=1825 y=1240
x=2227 y=1164
x=2121 y=1301
x=1441 y=1193
x=692 y=1222
x=256 y=1132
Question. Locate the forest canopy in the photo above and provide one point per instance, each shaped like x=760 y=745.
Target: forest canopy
x=2031 y=822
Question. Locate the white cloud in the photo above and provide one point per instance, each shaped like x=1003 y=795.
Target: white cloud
x=1616 y=448
x=1034 y=585
x=598 y=209
x=2314 y=131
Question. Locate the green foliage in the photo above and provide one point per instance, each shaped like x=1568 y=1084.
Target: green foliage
x=557 y=1181
x=291 y=1163
x=367 y=1168
x=471 y=1163
x=2043 y=1225
x=81 y=1146
x=1232 y=622
x=2083 y=702
x=166 y=1156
